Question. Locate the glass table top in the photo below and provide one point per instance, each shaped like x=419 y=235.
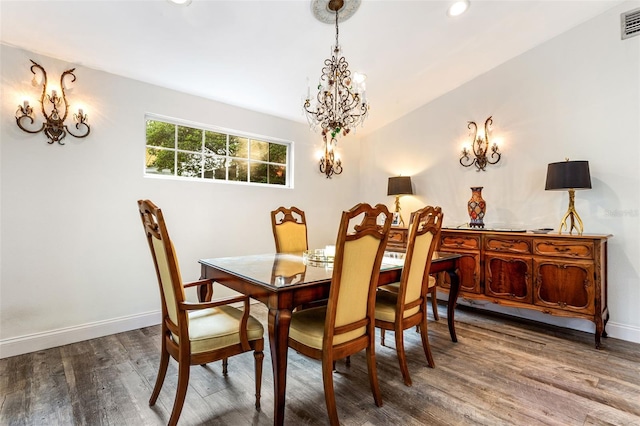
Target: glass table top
x=285 y=269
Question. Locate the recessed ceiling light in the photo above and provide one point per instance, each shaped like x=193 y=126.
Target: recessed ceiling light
x=181 y=2
x=458 y=8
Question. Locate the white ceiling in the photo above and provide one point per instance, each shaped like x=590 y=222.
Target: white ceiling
x=259 y=54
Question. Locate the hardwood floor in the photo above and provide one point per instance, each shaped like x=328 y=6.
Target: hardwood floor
x=501 y=372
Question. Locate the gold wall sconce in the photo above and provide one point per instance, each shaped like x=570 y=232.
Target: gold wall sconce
x=480 y=147
x=55 y=109
x=330 y=163
x=569 y=176
x=399 y=185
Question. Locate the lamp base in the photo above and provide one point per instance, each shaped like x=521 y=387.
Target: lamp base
x=572 y=215
x=400 y=221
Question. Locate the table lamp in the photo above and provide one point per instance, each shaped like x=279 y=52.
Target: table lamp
x=569 y=175
x=399 y=185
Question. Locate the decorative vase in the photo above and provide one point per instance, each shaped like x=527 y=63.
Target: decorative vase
x=476 y=207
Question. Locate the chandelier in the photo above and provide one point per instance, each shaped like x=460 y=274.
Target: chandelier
x=340 y=104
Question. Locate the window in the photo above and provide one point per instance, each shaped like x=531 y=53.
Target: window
x=186 y=151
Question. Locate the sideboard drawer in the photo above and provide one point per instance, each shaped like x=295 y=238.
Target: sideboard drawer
x=507 y=245
x=469 y=242
x=564 y=248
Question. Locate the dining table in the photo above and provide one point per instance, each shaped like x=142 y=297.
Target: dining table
x=284 y=281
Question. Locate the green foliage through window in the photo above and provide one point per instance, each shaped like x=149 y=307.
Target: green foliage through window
x=185 y=151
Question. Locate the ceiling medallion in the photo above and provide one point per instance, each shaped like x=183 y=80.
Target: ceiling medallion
x=321 y=10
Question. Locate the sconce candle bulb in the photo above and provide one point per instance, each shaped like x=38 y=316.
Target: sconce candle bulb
x=53 y=125
x=480 y=147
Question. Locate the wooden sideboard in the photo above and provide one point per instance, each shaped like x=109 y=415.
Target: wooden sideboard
x=563 y=275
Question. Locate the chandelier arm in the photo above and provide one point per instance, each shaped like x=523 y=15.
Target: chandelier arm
x=18 y=119
x=44 y=87
x=494 y=153
x=77 y=126
x=466 y=160
x=68 y=72
x=471 y=125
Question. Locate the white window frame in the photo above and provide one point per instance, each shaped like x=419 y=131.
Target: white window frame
x=228 y=132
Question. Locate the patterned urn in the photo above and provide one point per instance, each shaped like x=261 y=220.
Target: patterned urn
x=476 y=208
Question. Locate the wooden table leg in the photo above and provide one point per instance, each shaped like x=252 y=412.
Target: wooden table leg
x=453 y=300
x=279 y=321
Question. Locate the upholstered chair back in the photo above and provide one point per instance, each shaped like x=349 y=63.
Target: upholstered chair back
x=424 y=233
x=165 y=261
x=356 y=269
x=289 y=230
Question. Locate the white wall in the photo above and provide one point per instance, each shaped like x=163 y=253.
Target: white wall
x=576 y=96
x=74 y=263
x=74 y=259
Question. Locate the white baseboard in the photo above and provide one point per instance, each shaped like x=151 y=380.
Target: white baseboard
x=64 y=336
x=615 y=330
x=623 y=332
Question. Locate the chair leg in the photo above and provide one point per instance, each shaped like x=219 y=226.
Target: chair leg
x=259 y=357
x=425 y=342
x=329 y=396
x=225 y=363
x=373 y=373
x=162 y=371
x=181 y=392
x=382 y=336
x=433 y=291
x=402 y=359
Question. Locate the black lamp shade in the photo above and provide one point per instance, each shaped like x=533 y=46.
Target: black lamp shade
x=399 y=185
x=568 y=175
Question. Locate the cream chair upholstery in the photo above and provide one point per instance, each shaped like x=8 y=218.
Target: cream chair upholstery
x=407 y=307
x=289 y=230
x=346 y=324
x=195 y=333
x=432 y=291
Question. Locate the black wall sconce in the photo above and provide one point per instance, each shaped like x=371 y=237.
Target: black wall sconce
x=54 y=114
x=480 y=147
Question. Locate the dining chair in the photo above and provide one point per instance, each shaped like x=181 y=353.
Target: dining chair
x=195 y=333
x=346 y=324
x=403 y=305
x=289 y=229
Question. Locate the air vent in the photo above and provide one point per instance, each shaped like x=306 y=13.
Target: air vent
x=630 y=23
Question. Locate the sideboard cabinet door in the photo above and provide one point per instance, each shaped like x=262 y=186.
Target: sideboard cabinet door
x=568 y=285
x=508 y=277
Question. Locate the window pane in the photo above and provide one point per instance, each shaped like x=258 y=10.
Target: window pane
x=189 y=150
x=215 y=143
x=277 y=175
x=238 y=147
x=259 y=151
x=161 y=134
x=189 y=139
x=238 y=170
x=259 y=172
x=189 y=165
x=277 y=153
x=214 y=167
x=160 y=161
